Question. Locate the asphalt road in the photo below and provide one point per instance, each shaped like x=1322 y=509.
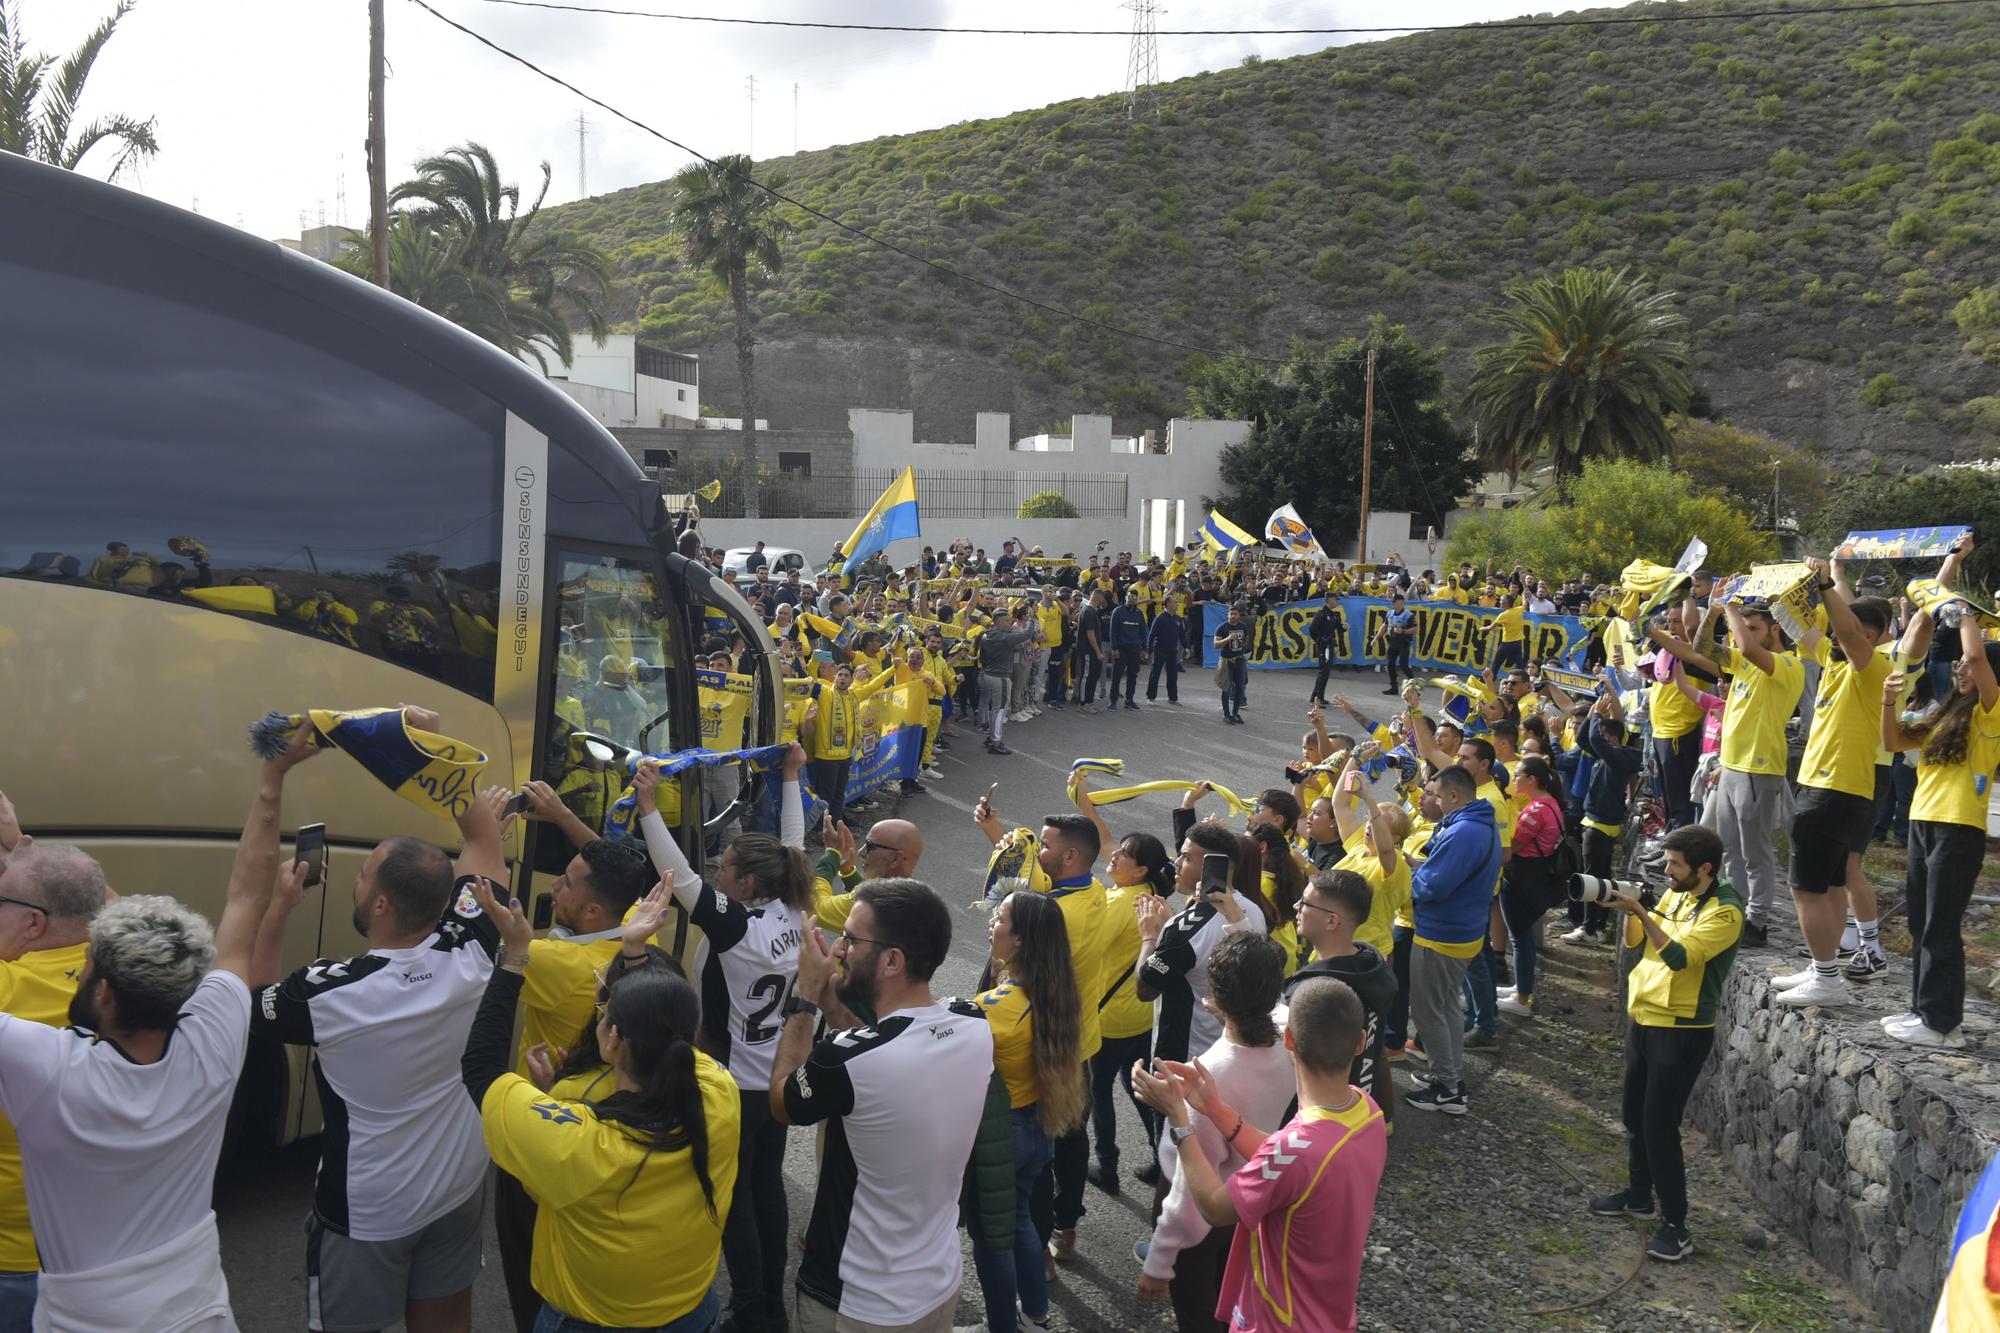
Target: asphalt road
x=263 y=1195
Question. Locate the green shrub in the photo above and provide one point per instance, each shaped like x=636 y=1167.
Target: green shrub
x=1887 y=130
x=1047 y=504
x=1465 y=198
x=1883 y=390
x=1910 y=229
x=1770 y=107
x=1402 y=85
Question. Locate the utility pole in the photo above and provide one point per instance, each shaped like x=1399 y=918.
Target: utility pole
x=582 y=171
x=751 y=151
x=378 y=166
x=1367 y=453
x=795 y=118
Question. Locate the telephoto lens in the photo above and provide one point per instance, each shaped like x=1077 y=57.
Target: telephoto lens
x=1595 y=889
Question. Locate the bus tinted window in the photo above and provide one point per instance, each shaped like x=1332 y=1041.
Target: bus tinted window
x=195 y=437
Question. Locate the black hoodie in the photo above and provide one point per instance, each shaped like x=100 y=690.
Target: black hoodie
x=1368 y=974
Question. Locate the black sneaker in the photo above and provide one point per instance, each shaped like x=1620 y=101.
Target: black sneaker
x=1132 y=706
x=1149 y=1174
x=1670 y=1244
x=1621 y=1204
x=1434 y=1098
x=1482 y=1040
x=1104 y=1177
x=1863 y=964
x=997 y=748
x=911 y=787
x=1754 y=936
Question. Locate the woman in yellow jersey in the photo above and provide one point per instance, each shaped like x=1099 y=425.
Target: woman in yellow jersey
x=1371 y=834
x=632 y=1190
x=1035 y=1014
x=1139 y=867
x=1959 y=748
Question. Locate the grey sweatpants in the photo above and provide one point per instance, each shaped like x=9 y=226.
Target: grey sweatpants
x=993 y=695
x=1024 y=671
x=1437 y=1011
x=1746 y=809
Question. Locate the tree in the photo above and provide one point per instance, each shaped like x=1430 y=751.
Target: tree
x=1305 y=432
x=1615 y=511
x=1589 y=365
x=37 y=117
x=1739 y=464
x=1047 y=504
x=1950 y=493
x=729 y=227
x=521 y=286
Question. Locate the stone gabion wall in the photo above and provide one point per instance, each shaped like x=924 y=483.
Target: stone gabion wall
x=1862 y=1147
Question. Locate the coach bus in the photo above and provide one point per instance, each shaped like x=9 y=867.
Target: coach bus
x=237 y=480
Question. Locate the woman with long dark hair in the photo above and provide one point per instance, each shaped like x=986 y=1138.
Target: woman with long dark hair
x=632 y=1190
x=1037 y=1025
x=754 y=924
x=1528 y=886
x=1282 y=882
x=1958 y=748
x=1139 y=868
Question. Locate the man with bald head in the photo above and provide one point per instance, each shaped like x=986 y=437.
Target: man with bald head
x=890 y=850
x=48 y=894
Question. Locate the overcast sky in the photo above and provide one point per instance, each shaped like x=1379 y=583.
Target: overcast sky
x=262 y=104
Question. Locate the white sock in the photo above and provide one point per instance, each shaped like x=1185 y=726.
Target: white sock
x=1871 y=935
x=1829 y=971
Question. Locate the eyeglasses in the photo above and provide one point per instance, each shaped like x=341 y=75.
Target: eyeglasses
x=23 y=902
x=1317 y=908
x=870 y=845
x=851 y=940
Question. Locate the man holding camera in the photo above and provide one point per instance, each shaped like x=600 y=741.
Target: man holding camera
x=1671 y=996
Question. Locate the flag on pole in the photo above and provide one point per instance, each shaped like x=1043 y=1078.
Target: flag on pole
x=1285 y=525
x=711 y=492
x=1221 y=535
x=893 y=517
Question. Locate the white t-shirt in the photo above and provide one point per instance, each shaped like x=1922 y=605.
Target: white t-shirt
x=402 y=1144
x=120 y=1157
x=904 y=1097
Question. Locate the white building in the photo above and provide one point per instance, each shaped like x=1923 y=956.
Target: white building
x=626 y=383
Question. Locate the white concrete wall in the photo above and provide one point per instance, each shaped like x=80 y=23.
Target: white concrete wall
x=1188 y=470
x=667 y=402
x=1388 y=531
x=610 y=406
x=622 y=396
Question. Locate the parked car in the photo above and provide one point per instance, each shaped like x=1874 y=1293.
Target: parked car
x=782 y=560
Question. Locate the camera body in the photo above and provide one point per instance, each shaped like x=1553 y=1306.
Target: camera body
x=1598 y=889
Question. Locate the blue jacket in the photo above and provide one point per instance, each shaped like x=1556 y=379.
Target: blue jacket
x=1165 y=635
x=1451 y=893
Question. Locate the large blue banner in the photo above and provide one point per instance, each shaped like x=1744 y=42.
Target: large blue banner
x=1449 y=638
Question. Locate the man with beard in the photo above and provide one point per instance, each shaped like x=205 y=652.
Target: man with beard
x=121 y=1116
x=398 y=1201
x=902 y=1098
x=48 y=896
x=1687 y=945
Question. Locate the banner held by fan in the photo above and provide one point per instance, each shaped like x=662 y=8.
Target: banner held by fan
x=432 y=772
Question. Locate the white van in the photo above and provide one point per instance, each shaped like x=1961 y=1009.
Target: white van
x=781 y=561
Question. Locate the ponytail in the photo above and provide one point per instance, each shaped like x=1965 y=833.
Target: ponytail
x=656 y=1014
x=781 y=873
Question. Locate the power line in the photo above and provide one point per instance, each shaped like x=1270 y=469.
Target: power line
x=1501 y=25
x=944 y=270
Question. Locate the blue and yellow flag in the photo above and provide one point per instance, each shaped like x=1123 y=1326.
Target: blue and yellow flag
x=1970 y=1301
x=433 y=772
x=893 y=517
x=1221 y=535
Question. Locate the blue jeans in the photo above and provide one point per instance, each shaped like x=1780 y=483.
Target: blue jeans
x=17 y=1301
x=701 y=1319
x=1005 y=1274
x=1482 y=993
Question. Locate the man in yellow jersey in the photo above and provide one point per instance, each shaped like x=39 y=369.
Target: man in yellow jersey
x=1836 y=810
x=1511 y=628
x=1753 y=796
x=48 y=894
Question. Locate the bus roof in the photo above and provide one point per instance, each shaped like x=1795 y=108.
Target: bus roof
x=32 y=192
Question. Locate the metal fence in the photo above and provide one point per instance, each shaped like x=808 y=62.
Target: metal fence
x=844 y=491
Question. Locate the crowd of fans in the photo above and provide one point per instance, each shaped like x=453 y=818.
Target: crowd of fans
x=1382 y=904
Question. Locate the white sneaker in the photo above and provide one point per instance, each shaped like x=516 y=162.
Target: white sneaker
x=1915 y=1032
x=1896 y=1020
x=1786 y=981
x=1505 y=992
x=1508 y=1004
x=1577 y=936
x=934 y=773
x=1816 y=990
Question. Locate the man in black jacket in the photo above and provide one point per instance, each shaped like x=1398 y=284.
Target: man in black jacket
x=1334 y=904
x=1324 y=629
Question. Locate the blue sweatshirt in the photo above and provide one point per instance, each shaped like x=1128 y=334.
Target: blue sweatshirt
x=1451 y=893
x=1128 y=627
x=1165 y=635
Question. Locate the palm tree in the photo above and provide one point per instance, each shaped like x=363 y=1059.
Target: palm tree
x=728 y=225
x=37 y=117
x=1590 y=365
x=460 y=246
